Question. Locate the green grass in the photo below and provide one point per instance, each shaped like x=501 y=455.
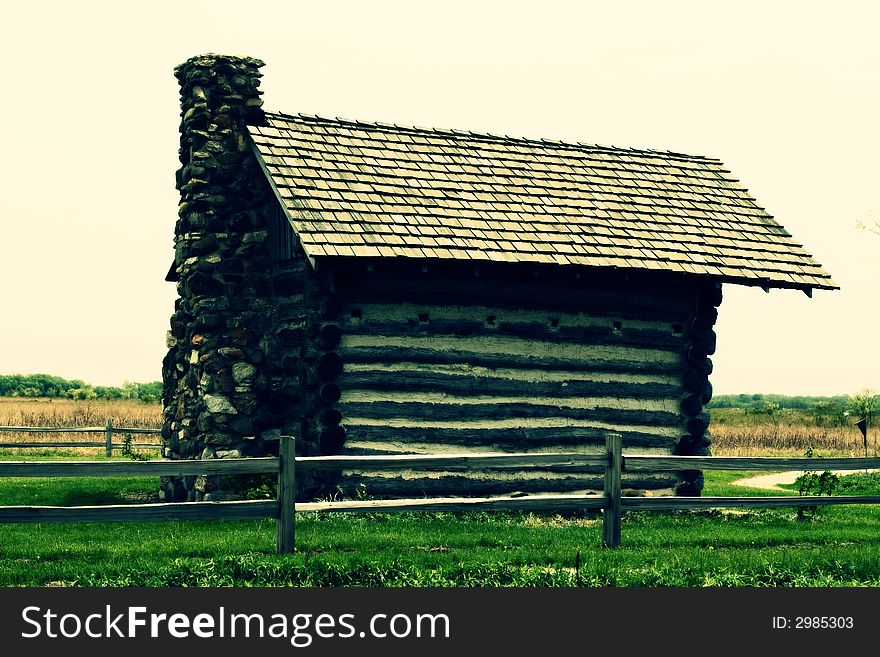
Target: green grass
x=840 y=547
x=865 y=483
x=858 y=483
x=48 y=491
x=719 y=483
x=74 y=491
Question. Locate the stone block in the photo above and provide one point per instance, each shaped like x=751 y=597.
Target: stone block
x=219 y=404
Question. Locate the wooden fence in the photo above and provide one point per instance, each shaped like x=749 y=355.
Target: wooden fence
x=108 y=430
x=283 y=508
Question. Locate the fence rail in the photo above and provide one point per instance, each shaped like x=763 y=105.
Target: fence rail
x=108 y=430
x=238 y=510
x=138 y=468
x=650 y=463
x=283 y=508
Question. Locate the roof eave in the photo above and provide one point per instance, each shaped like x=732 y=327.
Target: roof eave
x=764 y=284
x=268 y=175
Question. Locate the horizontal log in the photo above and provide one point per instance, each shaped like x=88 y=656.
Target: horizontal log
x=329 y=366
x=707 y=342
x=704 y=321
x=330 y=417
x=710 y=295
x=463 y=384
x=54 y=429
x=507 y=435
x=252 y=509
x=237 y=510
x=135 y=431
x=597 y=335
x=530 y=503
x=418 y=483
x=586 y=355
x=488 y=471
x=688 y=503
x=637 y=301
x=367 y=398
x=77 y=430
x=499 y=410
x=458 y=353
x=78 y=444
x=329 y=393
x=331 y=439
x=389 y=447
x=659 y=463
x=330 y=335
x=466 y=461
x=697 y=426
x=42 y=444
x=427 y=313
x=692 y=405
x=331 y=307
x=695 y=379
x=176 y=468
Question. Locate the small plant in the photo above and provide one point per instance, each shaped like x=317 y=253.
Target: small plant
x=814 y=483
x=864 y=405
x=128 y=452
x=361 y=493
x=261 y=487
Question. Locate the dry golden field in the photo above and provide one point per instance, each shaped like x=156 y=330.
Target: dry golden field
x=733 y=433
x=40 y=412
x=736 y=434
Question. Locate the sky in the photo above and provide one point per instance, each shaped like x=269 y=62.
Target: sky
x=785 y=93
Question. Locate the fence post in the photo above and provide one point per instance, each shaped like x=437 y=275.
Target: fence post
x=611 y=513
x=286 y=523
x=109 y=438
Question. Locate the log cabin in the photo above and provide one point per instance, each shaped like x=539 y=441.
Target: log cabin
x=373 y=288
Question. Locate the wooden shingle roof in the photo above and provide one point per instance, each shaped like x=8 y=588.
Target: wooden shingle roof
x=377 y=190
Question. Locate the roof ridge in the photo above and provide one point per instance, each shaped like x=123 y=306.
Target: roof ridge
x=541 y=142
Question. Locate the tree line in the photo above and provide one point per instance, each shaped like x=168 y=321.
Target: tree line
x=836 y=410
x=46 y=385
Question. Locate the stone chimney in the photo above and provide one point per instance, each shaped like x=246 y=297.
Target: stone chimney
x=220 y=371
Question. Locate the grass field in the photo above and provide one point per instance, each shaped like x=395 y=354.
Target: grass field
x=839 y=547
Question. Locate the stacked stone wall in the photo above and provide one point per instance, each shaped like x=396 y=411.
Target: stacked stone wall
x=223 y=381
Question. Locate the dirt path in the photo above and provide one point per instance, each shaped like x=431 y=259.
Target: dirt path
x=773 y=481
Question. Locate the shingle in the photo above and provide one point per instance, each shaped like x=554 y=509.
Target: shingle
x=369 y=190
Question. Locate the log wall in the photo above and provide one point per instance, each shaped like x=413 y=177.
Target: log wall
x=446 y=360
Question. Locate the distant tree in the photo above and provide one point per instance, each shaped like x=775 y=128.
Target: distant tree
x=864 y=405
x=109 y=392
x=829 y=413
x=770 y=408
x=150 y=392
x=46 y=385
x=83 y=393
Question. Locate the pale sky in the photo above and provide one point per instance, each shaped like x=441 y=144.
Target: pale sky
x=787 y=94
